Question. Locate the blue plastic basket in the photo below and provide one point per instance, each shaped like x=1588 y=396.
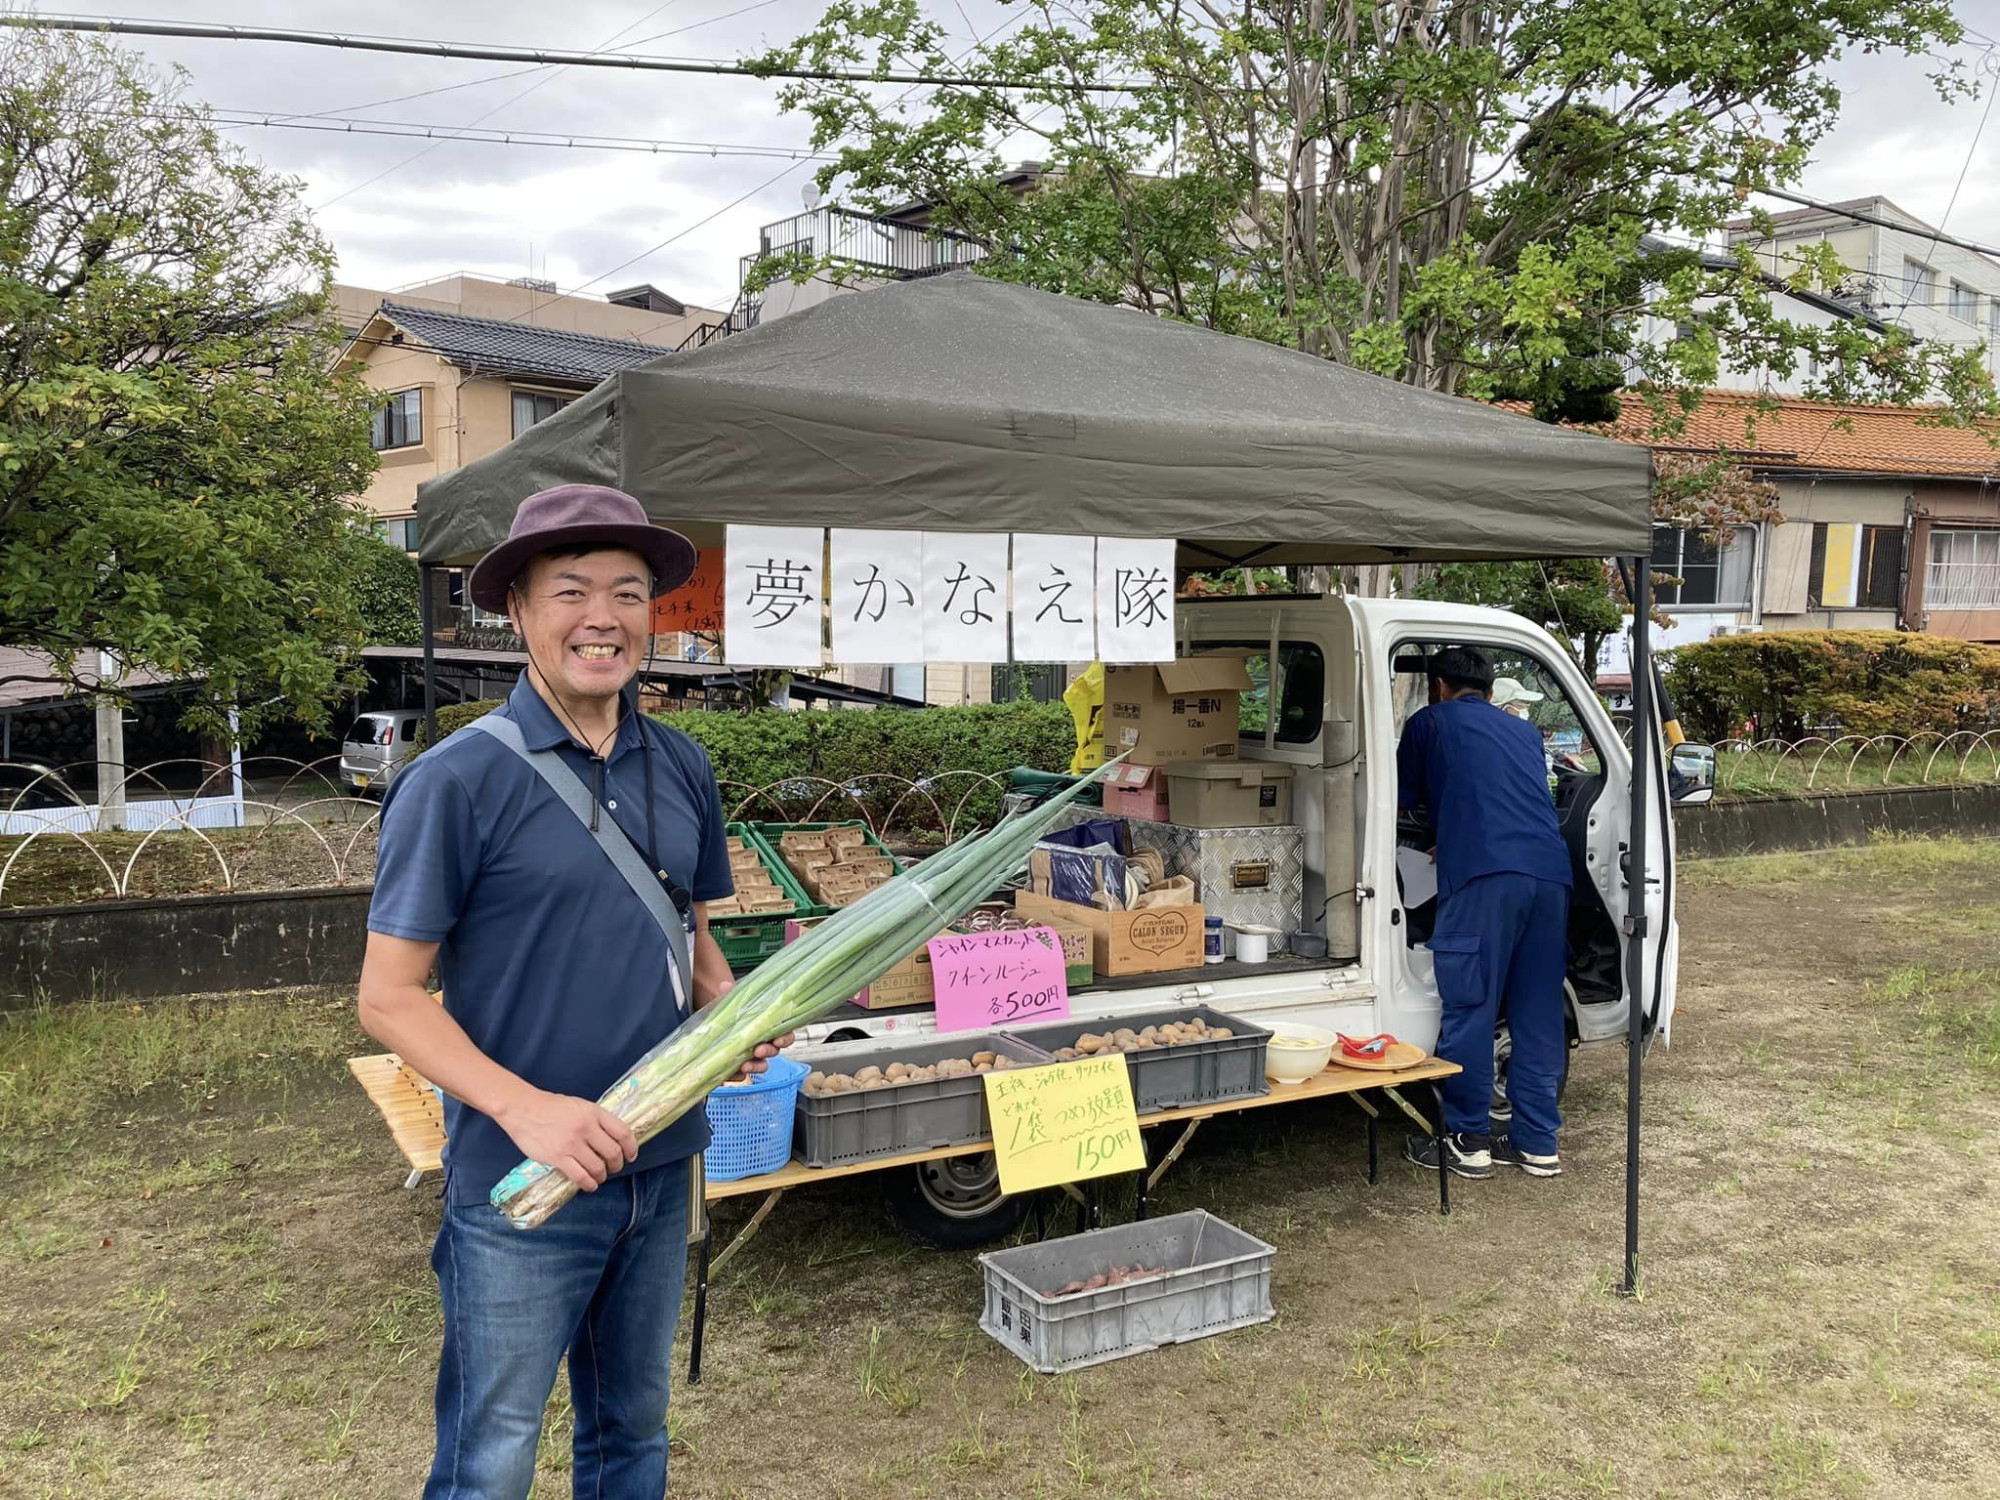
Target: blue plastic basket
x=750 y=1124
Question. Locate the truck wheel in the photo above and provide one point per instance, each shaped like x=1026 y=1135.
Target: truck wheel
x=955 y=1204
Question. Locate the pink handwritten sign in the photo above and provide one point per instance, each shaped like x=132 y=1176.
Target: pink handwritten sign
x=987 y=979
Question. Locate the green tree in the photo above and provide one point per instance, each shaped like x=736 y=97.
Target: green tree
x=1573 y=598
x=386 y=589
x=174 y=457
x=1452 y=195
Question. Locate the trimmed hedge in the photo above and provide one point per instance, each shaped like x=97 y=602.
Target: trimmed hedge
x=1798 y=682
x=781 y=750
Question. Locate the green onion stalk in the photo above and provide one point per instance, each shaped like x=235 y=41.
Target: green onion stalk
x=795 y=986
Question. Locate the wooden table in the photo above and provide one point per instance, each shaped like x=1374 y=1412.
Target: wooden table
x=416 y=1123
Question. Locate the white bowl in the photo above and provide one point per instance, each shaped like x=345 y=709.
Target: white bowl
x=1296 y=1063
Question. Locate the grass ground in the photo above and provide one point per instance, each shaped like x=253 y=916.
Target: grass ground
x=211 y=1282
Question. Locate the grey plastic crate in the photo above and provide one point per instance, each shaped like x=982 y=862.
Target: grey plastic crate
x=1217 y=1278
x=834 y=1128
x=1173 y=1077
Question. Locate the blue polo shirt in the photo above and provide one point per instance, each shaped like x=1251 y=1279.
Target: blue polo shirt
x=549 y=960
x=1480 y=772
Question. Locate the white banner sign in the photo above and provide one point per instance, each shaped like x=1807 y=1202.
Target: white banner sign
x=1135 y=600
x=965 y=596
x=1055 y=598
x=878 y=582
x=773 y=592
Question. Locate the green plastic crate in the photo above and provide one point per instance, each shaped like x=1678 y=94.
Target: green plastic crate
x=770 y=833
x=746 y=941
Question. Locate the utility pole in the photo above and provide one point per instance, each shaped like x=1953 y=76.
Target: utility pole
x=110 y=749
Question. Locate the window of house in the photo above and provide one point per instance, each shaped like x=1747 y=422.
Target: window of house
x=1993 y=323
x=399 y=422
x=531 y=407
x=1855 y=567
x=1712 y=575
x=1919 y=283
x=400 y=532
x=1964 y=571
x=1964 y=302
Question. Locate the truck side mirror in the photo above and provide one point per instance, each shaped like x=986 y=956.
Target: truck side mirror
x=1691 y=774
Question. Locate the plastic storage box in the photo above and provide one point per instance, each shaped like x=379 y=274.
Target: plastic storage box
x=1217 y=1278
x=750 y=1124
x=747 y=940
x=837 y=1128
x=1170 y=1077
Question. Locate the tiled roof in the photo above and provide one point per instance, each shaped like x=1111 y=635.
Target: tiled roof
x=1874 y=203
x=518 y=348
x=1818 y=437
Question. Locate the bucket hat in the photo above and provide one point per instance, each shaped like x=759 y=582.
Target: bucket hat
x=573 y=514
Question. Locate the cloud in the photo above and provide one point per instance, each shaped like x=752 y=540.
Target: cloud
x=463 y=205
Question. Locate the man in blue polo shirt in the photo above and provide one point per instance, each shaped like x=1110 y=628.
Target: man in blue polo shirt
x=1503 y=876
x=557 y=976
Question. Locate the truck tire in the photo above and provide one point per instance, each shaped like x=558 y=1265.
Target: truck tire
x=955 y=1203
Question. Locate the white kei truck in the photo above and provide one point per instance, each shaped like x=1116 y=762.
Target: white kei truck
x=1335 y=680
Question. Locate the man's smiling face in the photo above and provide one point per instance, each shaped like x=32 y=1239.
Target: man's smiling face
x=585 y=619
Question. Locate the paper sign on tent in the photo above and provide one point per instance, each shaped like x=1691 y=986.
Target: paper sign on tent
x=1064 y=1122
x=1010 y=977
x=965 y=596
x=773 y=580
x=878 y=581
x=1135 y=600
x=1055 y=598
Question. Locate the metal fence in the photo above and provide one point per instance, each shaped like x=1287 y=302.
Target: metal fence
x=1842 y=762
x=292 y=824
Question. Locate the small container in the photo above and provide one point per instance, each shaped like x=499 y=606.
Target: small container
x=1253 y=943
x=1307 y=945
x=1213 y=940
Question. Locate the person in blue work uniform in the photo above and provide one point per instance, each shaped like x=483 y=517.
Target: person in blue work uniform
x=558 y=975
x=1503 y=875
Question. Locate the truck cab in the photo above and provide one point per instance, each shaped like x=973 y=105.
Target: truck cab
x=1335 y=679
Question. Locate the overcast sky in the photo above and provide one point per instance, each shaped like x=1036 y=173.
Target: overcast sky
x=574 y=215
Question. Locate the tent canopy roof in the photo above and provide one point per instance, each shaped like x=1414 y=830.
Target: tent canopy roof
x=961 y=403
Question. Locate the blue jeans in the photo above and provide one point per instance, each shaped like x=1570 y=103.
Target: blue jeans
x=1503 y=937
x=600 y=1281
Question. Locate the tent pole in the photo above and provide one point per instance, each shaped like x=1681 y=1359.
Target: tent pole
x=427 y=612
x=1641 y=589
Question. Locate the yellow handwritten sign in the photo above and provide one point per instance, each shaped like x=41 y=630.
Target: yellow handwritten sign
x=1064 y=1122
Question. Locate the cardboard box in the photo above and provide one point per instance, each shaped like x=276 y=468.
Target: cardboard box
x=1079 y=952
x=1177 y=710
x=908 y=983
x=1150 y=941
x=1228 y=794
x=1138 y=792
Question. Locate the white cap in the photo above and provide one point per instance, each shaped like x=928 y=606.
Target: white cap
x=1508 y=690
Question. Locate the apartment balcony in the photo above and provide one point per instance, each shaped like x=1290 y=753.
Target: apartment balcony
x=870 y=246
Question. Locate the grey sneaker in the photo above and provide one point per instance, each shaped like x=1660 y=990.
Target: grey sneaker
x=1465 y=1155
x=1507 y=1154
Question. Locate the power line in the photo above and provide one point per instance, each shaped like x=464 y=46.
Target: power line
x=1932 y=236
x=547 y=78
x=415 y=130
x=202 y=31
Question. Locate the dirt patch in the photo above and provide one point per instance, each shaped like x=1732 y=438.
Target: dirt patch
x=215 y=1284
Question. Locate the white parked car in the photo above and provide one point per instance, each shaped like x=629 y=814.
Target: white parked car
x=375 y=748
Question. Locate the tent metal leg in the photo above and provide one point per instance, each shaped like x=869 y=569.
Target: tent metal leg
x=700 y=1310
x=427 y=612
x=1643 y=737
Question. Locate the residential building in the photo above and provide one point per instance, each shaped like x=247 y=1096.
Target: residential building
x=466 y=364
x=1902 y=275
x=1803 y=307
x=1892 y=522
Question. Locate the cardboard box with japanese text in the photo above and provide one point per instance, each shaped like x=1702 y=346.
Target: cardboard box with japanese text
x=1177 y=710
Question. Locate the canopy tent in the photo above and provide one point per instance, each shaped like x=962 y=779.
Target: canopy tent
x=960 y=403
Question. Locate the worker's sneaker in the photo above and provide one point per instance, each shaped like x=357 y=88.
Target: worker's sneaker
x=1466 y=1155
x=1507 y=1154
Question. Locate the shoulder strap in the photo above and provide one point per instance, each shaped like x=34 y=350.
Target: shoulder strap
x=572 y=793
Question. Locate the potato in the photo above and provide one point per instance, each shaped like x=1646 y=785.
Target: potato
x=1125 y=1034
x=1150 y=1034
x=1090 y=1041
x=875 y=1083
x=864 y=1074
x=815 y=1078
x=1002 y=1062
x=897 y=1072
x=981 y=1057
x=1220 y=1034
x=1066 y=1054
